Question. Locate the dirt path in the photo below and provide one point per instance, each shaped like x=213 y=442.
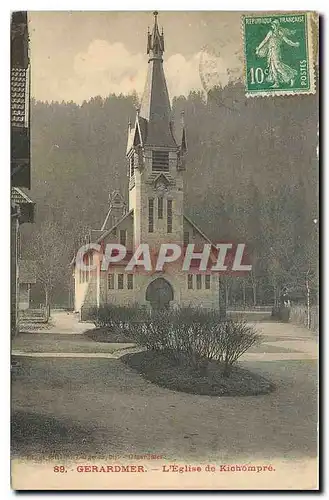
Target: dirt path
x=61 y=322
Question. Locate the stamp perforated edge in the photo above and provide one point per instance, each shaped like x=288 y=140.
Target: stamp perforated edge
x=310 y=49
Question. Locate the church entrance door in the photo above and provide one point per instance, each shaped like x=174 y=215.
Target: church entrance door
x=159 y=293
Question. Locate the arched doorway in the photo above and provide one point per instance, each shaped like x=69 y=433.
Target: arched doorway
x=159 y=293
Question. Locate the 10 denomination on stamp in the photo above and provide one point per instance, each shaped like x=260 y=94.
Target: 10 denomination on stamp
x=278 y=54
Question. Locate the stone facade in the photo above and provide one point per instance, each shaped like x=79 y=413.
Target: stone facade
x=95 y=288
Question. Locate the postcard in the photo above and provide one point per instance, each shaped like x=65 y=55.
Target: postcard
x=164 y=250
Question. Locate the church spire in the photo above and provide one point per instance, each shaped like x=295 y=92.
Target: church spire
x=155 y=41
x=155 y=106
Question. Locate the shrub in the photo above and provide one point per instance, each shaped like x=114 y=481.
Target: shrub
x=151 y=331
x=117 y=318
x=191 y=337
x=236 y=337
x=195 y=337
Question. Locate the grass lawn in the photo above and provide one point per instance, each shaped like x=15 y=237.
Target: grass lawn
x=62 y=343
x=99 y=407
x=162 y=370
x=105 y=335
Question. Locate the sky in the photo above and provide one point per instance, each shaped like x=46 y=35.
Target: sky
x=78 y=55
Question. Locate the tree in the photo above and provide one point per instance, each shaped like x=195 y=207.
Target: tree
x=47 y=248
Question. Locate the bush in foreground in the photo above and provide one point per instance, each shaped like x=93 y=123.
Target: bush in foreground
x=195 y=338
x=189 y=337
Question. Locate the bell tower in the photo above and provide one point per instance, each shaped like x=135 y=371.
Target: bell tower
x=156 y=157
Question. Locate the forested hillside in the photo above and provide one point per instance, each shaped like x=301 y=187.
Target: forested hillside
x=251 y=176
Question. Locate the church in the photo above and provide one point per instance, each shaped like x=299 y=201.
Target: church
x=156 y=164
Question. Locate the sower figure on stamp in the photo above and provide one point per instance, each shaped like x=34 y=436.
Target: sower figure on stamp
x=270 y=47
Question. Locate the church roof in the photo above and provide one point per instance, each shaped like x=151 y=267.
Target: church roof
x=137 y=135
x=155 y=107
x=100 y=235
x=190 y=221
x=213 y=246
x=107 y=232
x=180 y=134
x=18 y=196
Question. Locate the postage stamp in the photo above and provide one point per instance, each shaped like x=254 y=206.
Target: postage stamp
x=278 y=54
